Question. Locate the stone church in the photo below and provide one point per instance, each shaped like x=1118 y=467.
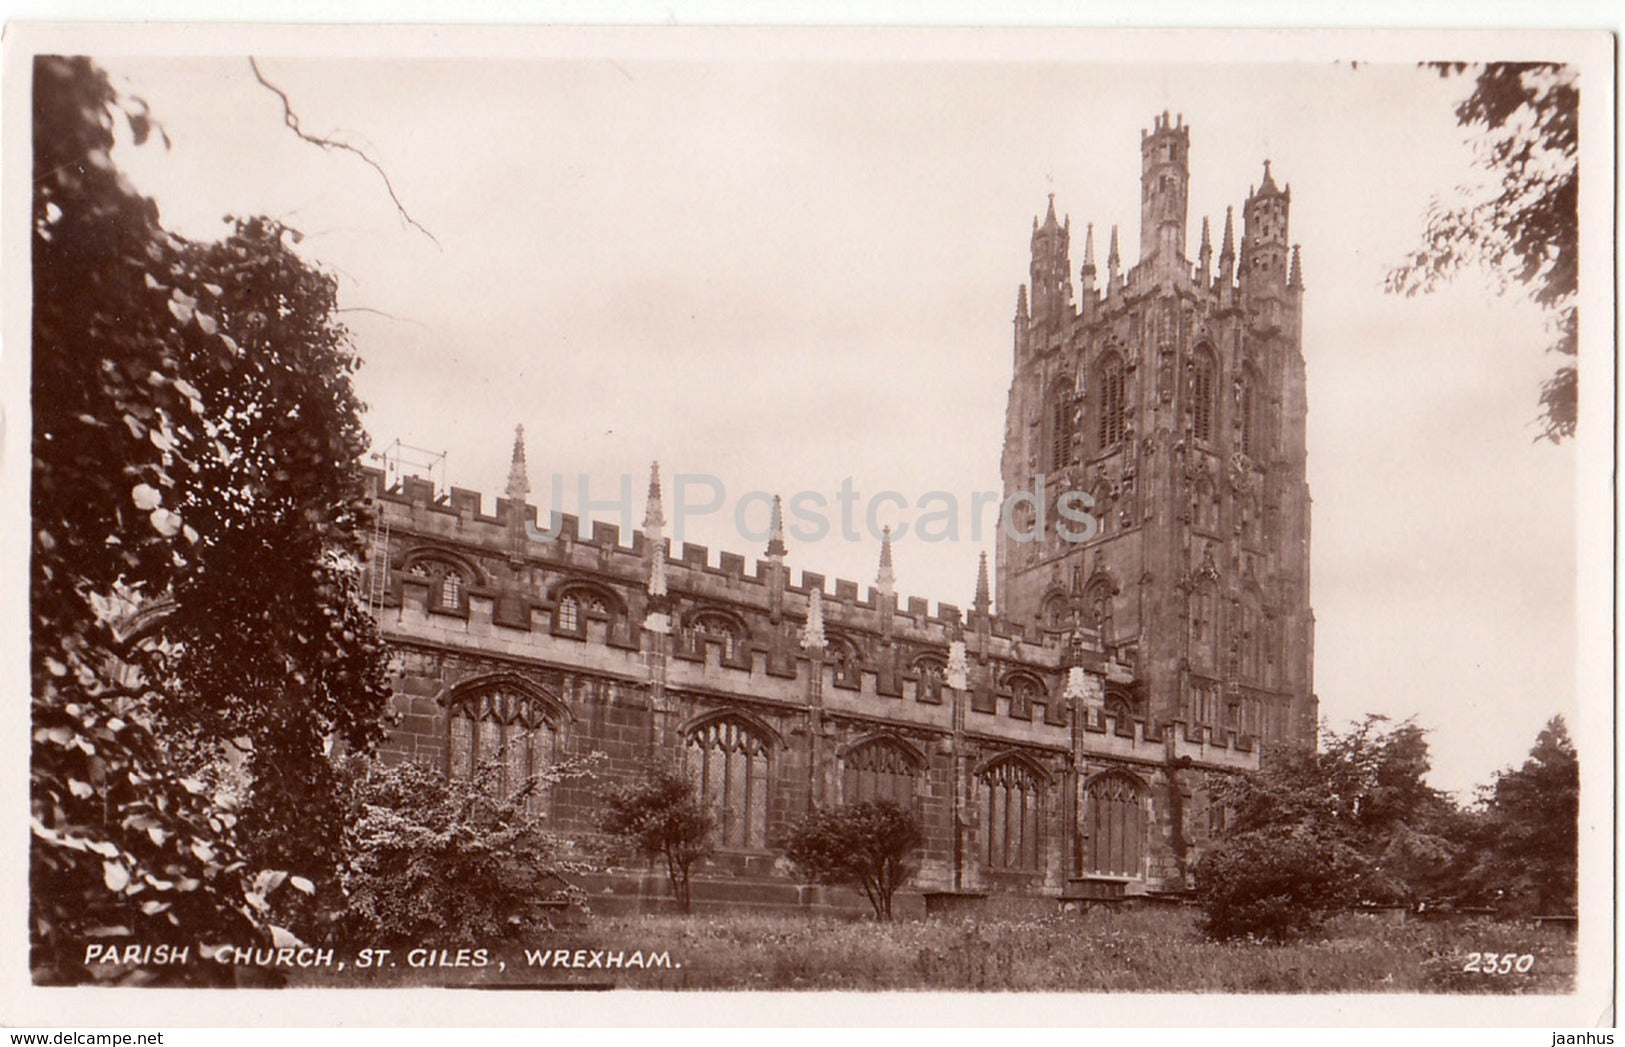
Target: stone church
x=1058 y=737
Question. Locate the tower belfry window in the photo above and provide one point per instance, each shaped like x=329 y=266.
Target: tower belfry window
x=1060 y=446
x=1110 y=428
x=1202 y=398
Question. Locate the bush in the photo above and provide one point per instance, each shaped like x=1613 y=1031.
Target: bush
x=868 y=845
x=434 y=858
x=661 y=817
x=1276 y=886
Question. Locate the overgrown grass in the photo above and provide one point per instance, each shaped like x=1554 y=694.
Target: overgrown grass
x=1150 y=950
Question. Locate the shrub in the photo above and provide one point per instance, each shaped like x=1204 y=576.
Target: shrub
x=868 y=845
x=436 y=858
x=1278 y=886
x=661 y=817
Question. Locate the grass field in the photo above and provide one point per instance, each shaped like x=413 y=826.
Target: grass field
x=1150 y=950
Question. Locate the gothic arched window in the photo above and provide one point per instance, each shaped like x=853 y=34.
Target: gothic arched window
x=578 y=603
x=1204 y=374
x=448 y=589
x=1115 y=819
x=1097 y=604
x=931 y=670
x=1024 y=690
x=1060 y=426
x=1057 y=613
x=1011 y=807
x=728 y=763
x=704 y=626
x=880 y=770
x=843 y=658
x=501 y=722
x=1113 y=404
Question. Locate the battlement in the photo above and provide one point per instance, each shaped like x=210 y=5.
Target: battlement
x=458 y=517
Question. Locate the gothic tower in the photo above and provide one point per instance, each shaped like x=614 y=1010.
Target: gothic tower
x=1173 y=397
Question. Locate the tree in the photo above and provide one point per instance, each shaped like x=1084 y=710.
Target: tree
x=1313 y=831
x=872 y=846
x=660 y=816
x=1525 y=227
x=194 y=460
x=438 y=858
x=1527 y=854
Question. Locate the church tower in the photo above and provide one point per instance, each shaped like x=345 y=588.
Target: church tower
x=1173 y=398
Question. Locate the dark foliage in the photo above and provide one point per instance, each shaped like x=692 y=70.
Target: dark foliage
x=872 y=846
x=438 y=859
x=1526 y=853
x=660 y=816
x=1313 y=831
x=1525 y=118
x=194 y=505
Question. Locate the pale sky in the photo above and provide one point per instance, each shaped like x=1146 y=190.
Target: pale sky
x=783 y=273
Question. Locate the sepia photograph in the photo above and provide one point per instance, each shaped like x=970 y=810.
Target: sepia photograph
x=786 y=512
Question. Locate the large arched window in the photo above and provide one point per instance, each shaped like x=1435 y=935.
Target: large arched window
x=1204 y=382
x=1112 y=397
x=1115 y=818
x=1011 y=809
x=880 y=769
x=510 y=723
x=727 y=761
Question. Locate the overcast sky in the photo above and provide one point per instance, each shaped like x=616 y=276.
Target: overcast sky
x=784 y=273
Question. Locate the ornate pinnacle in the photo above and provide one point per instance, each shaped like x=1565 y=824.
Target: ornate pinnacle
x=812 y=634
x=983 y=601
x=775 y=543
x=1089 y=253
x=653 y=516
x=1295 y=278
x=518 y=481
x=885 y=579
x=1227 y=246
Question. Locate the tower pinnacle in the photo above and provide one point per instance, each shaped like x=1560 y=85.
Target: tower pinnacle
x=983 y=601
x=885 y=578
x=518 y=480
x=775 y=542
x=1227 y=248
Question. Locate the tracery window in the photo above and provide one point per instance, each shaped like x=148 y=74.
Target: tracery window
x=879 y=770
x=502 y=723
x=1110 y=427
x=576 y=604
x=1115 y=818
x=1011 y=808
x=728 y=763
x=1057 y=612
x=1024 y=690
x=569 y=614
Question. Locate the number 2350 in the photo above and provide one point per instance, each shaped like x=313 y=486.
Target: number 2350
x=1498 y=963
